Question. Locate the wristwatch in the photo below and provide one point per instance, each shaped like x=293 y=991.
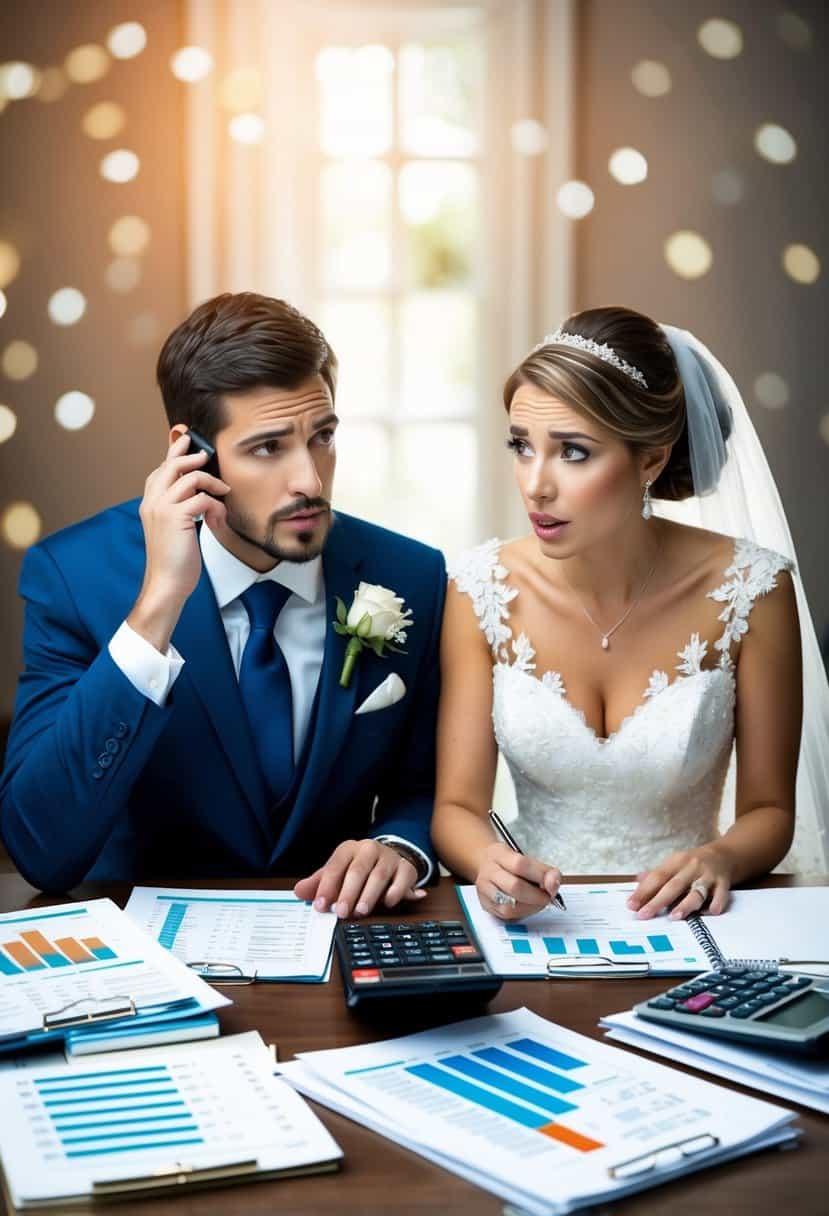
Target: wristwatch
x=407 y=853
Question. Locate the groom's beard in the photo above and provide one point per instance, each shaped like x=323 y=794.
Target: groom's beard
x=302 y=547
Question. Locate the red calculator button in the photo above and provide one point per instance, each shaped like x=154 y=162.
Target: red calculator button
x=696 y=1004
x=366 y=975
x=463 y=951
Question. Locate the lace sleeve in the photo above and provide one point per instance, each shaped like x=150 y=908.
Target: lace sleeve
x=479 y=574
x=752 y=573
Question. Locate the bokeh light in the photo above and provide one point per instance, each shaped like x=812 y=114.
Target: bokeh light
x=651 y=78
x=104 y=120
x=727 y=187
x=774 y=143
x=720 y=38
x=771 y=390
x=127 y=40
x=241 y=91
x=20 y=525
x=18 y=80
x=67 y=306
x=53 y=84
x=129 y=236
x=628 y=166
x=8 y=423
x=19 y=360
x=123 y=275
x=688 y=254
x=3 y=303
x=794 y=31
x=191 y=63
x=9 y=263
x=801 y=263
x=528 y=137
x=121 y=166
x=575 y=199
x=74 y=410
x=86 y=64
x=247 y=128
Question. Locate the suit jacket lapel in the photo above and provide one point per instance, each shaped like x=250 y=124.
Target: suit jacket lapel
x=336 y=705
x=200 y=638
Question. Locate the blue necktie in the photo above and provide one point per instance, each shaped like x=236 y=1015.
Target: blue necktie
x=265 y=686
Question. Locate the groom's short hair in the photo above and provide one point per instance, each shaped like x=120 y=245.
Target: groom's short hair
x=233 y=343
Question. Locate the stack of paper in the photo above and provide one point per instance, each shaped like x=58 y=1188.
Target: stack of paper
x=76 y=967
x=541 y=1116
x=267 y=935
x=794 y=1078
x=143 y=1120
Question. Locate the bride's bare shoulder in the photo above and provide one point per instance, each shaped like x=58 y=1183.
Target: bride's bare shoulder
x=696 y=552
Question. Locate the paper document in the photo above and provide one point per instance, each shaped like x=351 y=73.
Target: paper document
x=544 y=1117
x=596 y=928
x=783 y=1074
x=271 y=935
x=787 y=924
x=67 y=1132
x=86 y=957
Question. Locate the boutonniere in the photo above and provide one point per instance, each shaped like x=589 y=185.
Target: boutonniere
x=377 y=619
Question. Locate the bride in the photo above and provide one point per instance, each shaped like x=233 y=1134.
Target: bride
x=621 y=655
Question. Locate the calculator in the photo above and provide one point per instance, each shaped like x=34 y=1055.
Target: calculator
x=760 y=1008
x=411 y=961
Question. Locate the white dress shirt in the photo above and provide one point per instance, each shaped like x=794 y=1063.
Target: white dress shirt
x=300 y=631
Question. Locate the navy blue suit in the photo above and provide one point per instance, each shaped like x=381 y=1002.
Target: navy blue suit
x=101 y=783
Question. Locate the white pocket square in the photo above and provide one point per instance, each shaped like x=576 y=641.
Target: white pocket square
x=388 y=693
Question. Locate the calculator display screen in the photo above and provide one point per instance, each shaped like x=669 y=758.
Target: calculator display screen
x=799 y=1014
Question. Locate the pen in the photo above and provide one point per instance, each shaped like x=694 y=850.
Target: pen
x=508 y=839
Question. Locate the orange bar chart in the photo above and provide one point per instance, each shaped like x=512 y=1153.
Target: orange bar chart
x=23 y=955
x=566 y=1135
x=74 y=950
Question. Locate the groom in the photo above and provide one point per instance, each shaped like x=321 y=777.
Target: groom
x=181 y=710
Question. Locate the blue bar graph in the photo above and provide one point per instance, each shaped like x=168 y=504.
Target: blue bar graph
x=587 y=945
x=620 y=947
x=102 y=952
x=516 y=928
x=473 y=1093
x=521 y=946
x=172 y=924
x=554 y=945
x=523 y=1068
x=7 y=968
x=508 y=1085
x=547 y=1055
x=660 y=943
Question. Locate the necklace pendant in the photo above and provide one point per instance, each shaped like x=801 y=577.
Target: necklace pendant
x=605 y=643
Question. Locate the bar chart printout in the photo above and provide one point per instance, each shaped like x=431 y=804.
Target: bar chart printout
x=528 y=1109
x=596 y=928
x=270 y=934
x=204 y=1105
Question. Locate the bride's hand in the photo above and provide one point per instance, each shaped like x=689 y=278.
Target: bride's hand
x=512 y=886
x=685 y=882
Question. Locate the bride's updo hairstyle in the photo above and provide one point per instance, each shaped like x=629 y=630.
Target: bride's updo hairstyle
x=643 y=417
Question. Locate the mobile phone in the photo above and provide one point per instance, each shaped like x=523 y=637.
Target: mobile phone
x=198 y=443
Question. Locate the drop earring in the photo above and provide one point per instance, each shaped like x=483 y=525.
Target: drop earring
x=647 y=509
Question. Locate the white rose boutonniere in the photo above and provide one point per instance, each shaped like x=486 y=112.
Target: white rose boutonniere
x=376 y=618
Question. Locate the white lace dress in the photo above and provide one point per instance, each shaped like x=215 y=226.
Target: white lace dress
x=621 y=804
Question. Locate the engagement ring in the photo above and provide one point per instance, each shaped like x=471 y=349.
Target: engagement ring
x=503 y=900
x=701 y=888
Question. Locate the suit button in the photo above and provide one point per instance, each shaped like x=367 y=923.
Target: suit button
x=97 y=774
x=112 y=746
x=105 y=760
x=121 y=730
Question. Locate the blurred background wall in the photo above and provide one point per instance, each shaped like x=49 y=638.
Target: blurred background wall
x=437 y=185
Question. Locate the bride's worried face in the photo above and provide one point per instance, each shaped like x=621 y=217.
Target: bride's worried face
x=580 y=483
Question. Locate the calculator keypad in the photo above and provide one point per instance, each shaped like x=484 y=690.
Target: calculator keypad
x=736 y=993
x=387 y=947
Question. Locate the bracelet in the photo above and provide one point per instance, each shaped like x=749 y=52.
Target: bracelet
x=408 y=854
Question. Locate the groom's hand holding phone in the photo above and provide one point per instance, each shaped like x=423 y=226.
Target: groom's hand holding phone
x=176 y=494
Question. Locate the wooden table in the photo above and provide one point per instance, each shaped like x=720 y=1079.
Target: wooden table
x=379 y=1178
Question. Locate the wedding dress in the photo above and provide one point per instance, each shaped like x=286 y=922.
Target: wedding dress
x=621 y=804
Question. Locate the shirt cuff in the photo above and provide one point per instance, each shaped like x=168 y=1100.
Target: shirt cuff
x=149 y=671
x=388 y=839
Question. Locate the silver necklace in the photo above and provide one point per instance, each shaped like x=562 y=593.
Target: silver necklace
x=607 y=634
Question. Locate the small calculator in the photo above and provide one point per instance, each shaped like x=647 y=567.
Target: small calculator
x=408 y=960
x=759 y=1008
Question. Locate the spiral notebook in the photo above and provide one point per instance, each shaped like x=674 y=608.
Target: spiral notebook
x=598 y=936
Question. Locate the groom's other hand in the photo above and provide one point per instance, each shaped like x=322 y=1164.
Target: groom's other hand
x=357 y=874
x=176 y=494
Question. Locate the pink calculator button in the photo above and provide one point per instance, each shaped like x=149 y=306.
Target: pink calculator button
x=696 y=1003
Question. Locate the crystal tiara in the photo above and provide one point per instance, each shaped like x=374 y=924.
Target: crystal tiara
x=600 y=349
